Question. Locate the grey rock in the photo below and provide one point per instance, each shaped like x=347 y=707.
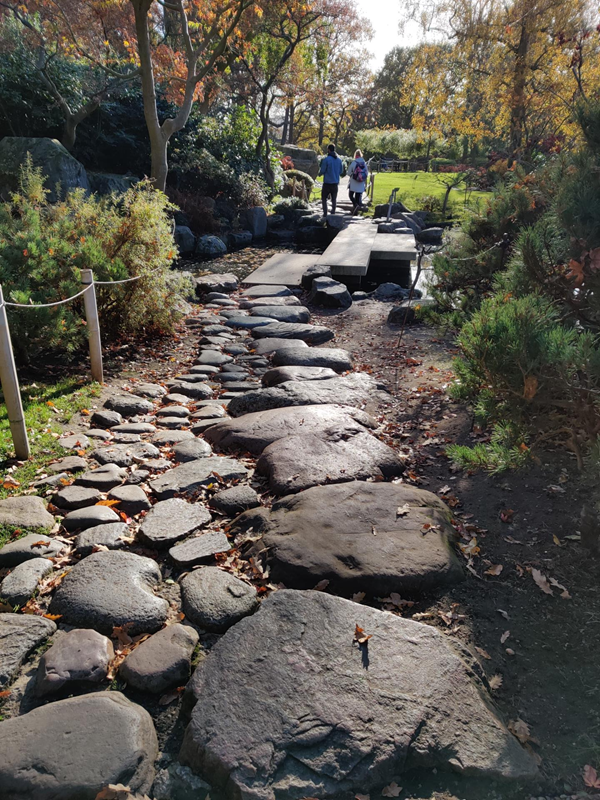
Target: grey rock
x=357 y=296
x=53 y=480
x=138 y=476
x=266 y=346
x=197 y=391
x=25 y=512
x=153 y=390
x=239 y=238
x=224 y=282
x=253 y=432
x=431 y=236
x=132 y=499
x=79 y=656
x=184 y=239
x=123 y=455
x=407 y=313
x=72 y=497
x=329 y=293
x=390 y=291
x=255 y=221
x=112 y=535
x=277 y=375
x=216 y=296
x=134 y=427
x=215 y=600
x=192 y=377
x=229 y=377
x=103 y=478
x=235 y=349
x=162 y=661
x=99 y=433
x=311 y=334
x=310 y=727
x=104 y=183
x=178 y=399
x=329 y=532
x=61 y=171
x=333 y=357
x=191 y=450
x=20 y=634
x=209 y=412
x=76 y=441
x=162 y=438
x=382 y=209
x=172 y=520
x=173 y=423
x=316 y=271
x=128 y=405
x=195 y=474
x=266 y=291
x=304 y=159
x=173 y=411
x=21 y=583
x=213 y=330
x=179 y=783
x=111 y=589
x=106 y=419
x=213 y=358
x=202 y=425
x=351 y=390
x=210 y=246
x=248 y=322
x=157 y=464
x=27 y=547
x=236 y=499
x=199 y=549
x=299 y=462
x=69 y=464
x=120 y=747
x=253 y=302
x=83 y=518
x=282 y=313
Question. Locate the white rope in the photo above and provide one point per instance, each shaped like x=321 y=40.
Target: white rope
x=477 y=255
x=47 y=305
x=128 y=280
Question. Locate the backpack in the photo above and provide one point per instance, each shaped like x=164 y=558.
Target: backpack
x=360 y=172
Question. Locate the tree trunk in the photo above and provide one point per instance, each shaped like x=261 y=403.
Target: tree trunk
x=518 y=102
x=69 y=133
x=292 y=121
x=285 y=128
x=321 y=124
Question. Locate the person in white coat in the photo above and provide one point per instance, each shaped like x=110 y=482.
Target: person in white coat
x=358 y=172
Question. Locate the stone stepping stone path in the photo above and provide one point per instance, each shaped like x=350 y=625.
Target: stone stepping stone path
x=204 y=508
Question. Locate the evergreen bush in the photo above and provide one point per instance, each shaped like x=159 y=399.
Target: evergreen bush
x=44 y=246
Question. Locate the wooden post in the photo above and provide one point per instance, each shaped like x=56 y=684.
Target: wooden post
x=93 y=325
x=10 y=388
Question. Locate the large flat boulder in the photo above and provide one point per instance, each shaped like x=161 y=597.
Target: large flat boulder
x=350 y=390
x=264 y=347
x=289 y=706
x=55 y=161
x=299 y=462
x=277 y=375
x=110 y=589
x=261 y=290
x=29 y=547
x=305 y=159
x=162 y=661
x=253 y=432
x=78 y=657
x=253 y=302
x=329 y=293
x=282 y=313
x=352 y=535
x=21 y=583
x=216 y=282
x=171 y=520
x=74 y=748
x=215 y=600
x=333 y=357
x=19 y=635
x=194 y=475
x=311 y=334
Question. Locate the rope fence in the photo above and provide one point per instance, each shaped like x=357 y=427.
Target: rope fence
x=8 y=370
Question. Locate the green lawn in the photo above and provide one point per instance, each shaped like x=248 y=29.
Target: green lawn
x=414 y=185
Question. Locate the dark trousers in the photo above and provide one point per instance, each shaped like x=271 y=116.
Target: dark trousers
x=329 y=190
x=356 y=198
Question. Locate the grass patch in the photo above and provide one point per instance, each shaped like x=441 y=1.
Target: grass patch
x=414 y=185
x=47 y=407
x=14 y=532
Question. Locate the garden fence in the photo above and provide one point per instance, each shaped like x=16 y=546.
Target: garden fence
x=8 y=369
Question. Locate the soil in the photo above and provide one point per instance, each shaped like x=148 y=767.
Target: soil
x=543 y=647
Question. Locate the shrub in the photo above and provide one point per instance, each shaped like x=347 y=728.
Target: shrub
x=429 y=202
x=298 y=175
x=198 y=210
x=253 y=191
x=44 y=246
x=287 y=204
x=287 y=163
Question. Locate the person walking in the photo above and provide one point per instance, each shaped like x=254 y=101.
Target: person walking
x=331 y=170
x=358 y=172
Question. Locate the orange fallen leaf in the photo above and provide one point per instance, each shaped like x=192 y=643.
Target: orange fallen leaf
x=108 y=503
x=360 y=636
x=542 y=581
x=358 y=597
x=495 y=569
x=520 y=729
x=321 y=585
x=53 y=617
x=507 y=515
x=483 y=653
x=530 y=387
x=4 y=694
x=170 y=697
x=590 y=777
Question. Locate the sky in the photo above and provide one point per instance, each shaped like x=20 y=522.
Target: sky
x=384 y=16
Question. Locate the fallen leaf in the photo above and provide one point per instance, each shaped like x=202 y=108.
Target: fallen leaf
x=362 y=797
x=520 y=729
x=509 y=651
x=108 y=503
x=556 y=540
x=471 y=548
x=170 y=697
x=402 y=511
x=359 y=597
x=504 y=636
x=321 y=585
x=563 y=591
x=541 y=580
x=53 y=617
x=495 y=569
x=4 y=694
x=503 y=613
x=590 y=777
x=360 y=636
x=530 y=387
x=483 y=653
x=120 y=633
x=507 y=515
x=575 y=272
x=495 y=682
x=393 y=790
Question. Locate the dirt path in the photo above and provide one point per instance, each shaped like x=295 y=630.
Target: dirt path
x=538 y=651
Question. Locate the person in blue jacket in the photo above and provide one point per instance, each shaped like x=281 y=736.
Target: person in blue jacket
x=331 y=170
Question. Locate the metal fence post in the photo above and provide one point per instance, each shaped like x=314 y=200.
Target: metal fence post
x=10 y=388
x=93 y=325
